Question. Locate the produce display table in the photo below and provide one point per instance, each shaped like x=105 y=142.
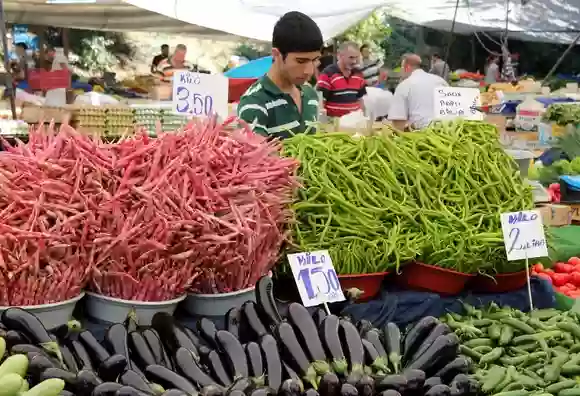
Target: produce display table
x=565 y=242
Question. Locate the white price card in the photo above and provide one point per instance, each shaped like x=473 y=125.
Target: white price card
x=454 y=102
x=523 y=235
x=199 y=94
x=315 y=277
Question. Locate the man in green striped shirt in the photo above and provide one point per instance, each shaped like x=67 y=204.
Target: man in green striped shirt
x=282 y=103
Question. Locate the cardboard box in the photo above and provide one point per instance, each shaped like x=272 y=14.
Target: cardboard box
x=496 y=119
x=555 y=215
x=575 y=212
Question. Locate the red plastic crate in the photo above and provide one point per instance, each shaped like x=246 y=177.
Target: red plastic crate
x=40 y=80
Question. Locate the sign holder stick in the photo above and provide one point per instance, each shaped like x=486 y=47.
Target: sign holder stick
x=529 y=284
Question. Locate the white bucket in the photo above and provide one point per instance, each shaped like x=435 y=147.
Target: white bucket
x=217 y=304
x=115 y=310
x=52 y=315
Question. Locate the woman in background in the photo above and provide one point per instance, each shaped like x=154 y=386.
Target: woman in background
x=492 y=70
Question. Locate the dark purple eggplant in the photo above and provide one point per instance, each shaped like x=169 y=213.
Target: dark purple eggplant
x=82 y=355
x=366 y=386
x=212 y=390
x=38 y=364
x=241 y=383
x=169 y=379
x=272 y=361
x=459 y=365
x=396 y=382
x=374 y=337
x=157 y=348
x=130 y=391
x=113 y=367
x=416 y=335
x=439 y=390
x=293 y=350
x=214 y=362
x=199 y=343
x=106 y=389
x=461 y=382
x=438 y=330
x=207 y=331
x=116 y=340
x=288 y=372
x=392 y=340
x=95 y=350
x=190 y=369
x=254 y=355
x=69 y=359
x=251 y=319
x=431 y=382
x=348 y=390
x=331 y=342
x=140 y=350
x=30 y=326
x=363 y=326
x=415 y=380
x=175 y=392
x=291 y=387
x=87 y=381
x=13 y=337
x=23 y=349
x=233 y=353
x=265 y=301
x=307 y=334
x=70 y=379
x=172 y=334
x=233 y=317
x=372 y=357
x=318 y=316
x=263 y=391
x=133 y=379
x=63 y=331
x=64 y=392
x=389 y=392
x=131 y=322
x=235 y=393
x=352 y=343
x=329 y=385
x=441 y=352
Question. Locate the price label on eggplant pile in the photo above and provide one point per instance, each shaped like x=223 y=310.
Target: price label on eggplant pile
x=199 y=94
x=523 y=235
x=315 y=277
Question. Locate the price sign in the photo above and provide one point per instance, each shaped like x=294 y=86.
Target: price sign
x=523 y=235
x=315 y=277
x=453 y=102
x=199 y=94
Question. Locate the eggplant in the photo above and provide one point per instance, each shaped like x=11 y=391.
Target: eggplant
x=63 y=331
x=439 y=329
x=307 y=333
x=106 y=389
x=13 y=337
x=392 y=339
x=169 y=379
x=133 y=379
x=236 y=393
x=311 y=392
x=113 y=367
x=439 y=390
x=265 y=391
x=353 y=345
x=460 y=365
x=233 y=352
x=175 y=392
x=318 y=316
x=130 y=391
x=431 y=382
x=291 y=387
x=195 y=338
x=331 y=342
x=23 y=349
x=214 y=362
x=415 y=380
x=30 y=326
x=38 y=364
x=329 y=385
x=70 y=379
x=444 y=349
x=172 y=334
x=212 y=390
x=157 y=348
x=372 y=357
x=415 y=337
x=64 y=392
x=131 y=322
x=95 y=350
x=366 y=386
x=363 y=326
x=462 y=383
x=390 y=392
x=189 y=368
x=242 y=383
x=374 y=337
x=289 y=373
x=87 y=381
x=233 y=321
x=252 y=320
x=348 y=390
x=140 y=350
x=265 y=301
x=396 y=382
x=296 y=355
x=81 y=354
x=116 y=340
x=69 y=359
x=272 y=361
x=207 y=331
x=254 y=355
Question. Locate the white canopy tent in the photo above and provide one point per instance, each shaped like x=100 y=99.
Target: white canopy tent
x=539 y=20
x=220 y=19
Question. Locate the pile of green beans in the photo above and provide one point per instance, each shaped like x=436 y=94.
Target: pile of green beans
x=433 y=195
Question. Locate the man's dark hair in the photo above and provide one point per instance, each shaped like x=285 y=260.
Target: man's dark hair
x=436 y=56
x=164 y=46
x=22 y=45
x=364 y=46
x=296 y=32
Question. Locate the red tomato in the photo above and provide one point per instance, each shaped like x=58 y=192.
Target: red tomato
x=538 y=267
x=545 y=276
x=574 y=260
x=548 y=271
x=575 y=278
x=560 y=279
x=563 y=268
x=570 y=286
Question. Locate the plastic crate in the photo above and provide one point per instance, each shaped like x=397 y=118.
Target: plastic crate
x=569 y=194
x=41 y=80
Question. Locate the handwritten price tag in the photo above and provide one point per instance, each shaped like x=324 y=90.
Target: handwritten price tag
x=452 y=102
x=315 y=277
x=199 y=94
x=523 y=235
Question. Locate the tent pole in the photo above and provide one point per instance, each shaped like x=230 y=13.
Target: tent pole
x=561 y=59
x=448 y=50
x=10 y=88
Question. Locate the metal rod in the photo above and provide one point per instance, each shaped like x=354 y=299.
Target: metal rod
x=560 y=60
x=10 y=88
x=448 y=50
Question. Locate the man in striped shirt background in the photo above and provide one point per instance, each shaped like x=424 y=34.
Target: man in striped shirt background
x=370 y=68
x=341 y=84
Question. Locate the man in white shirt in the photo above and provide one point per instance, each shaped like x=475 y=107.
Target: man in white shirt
x=413 y=105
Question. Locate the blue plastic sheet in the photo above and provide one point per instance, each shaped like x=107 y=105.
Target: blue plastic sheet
x=405 y=307
x=254 y=69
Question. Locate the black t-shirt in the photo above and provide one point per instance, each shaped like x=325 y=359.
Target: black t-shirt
x=157 y=59
x=325 y=61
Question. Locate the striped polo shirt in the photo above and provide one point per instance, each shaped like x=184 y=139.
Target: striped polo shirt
x=342 y=95
x=271 y=112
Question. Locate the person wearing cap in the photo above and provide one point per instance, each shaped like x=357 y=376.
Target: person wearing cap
x=281 y=103
x=413 y=105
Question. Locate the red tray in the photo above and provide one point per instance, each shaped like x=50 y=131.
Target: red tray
x=500 y=283
x=435 y=279
x=370 y=284
x=40 y=80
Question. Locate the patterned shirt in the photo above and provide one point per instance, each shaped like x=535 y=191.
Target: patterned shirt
x=274 y=113
x=342 y=95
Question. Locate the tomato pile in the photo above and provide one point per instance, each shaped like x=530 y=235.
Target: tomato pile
x=565 y=277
